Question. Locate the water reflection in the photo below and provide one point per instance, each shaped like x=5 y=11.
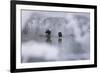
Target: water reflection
x=60 y=40
x=48 y=39
x=66 y=48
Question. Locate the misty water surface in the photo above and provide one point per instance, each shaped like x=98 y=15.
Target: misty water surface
x=73 y=45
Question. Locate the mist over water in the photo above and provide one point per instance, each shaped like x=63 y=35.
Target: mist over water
x=73 y=43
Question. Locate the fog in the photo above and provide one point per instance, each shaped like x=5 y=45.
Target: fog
x=74 y=44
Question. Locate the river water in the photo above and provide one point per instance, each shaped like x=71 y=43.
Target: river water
x=42 y=49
